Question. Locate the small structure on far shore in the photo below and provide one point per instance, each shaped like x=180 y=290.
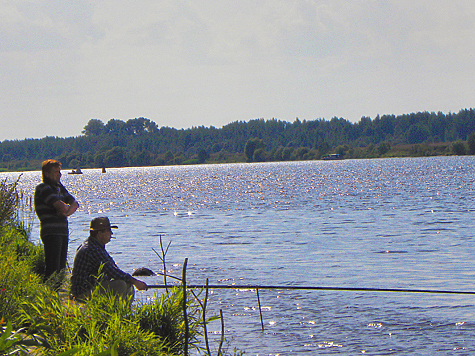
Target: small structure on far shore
x=333 y=156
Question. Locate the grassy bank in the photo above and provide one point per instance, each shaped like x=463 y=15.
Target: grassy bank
x=37 y=320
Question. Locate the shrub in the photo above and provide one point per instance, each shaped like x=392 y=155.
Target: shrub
x=164 y=318
x=105 y=322
x=9 y=200
x=471 y=143
x=458 y=148
x=17 y=280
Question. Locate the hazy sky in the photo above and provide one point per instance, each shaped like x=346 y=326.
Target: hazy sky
x=211 y=62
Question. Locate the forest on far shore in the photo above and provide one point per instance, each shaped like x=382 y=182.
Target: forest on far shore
x=140 y=142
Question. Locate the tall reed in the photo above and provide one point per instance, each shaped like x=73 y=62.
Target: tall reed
x=9 y=200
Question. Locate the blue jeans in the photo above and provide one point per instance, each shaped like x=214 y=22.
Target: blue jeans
x=56 y=253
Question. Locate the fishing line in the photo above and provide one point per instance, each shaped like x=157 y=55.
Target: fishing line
x=341 y=289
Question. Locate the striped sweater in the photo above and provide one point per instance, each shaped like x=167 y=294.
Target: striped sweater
x=46 y=194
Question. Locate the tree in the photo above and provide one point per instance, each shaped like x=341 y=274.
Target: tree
x=251 y=145
x=458 y=148
x=259 y=155
x=115 y=127
x=216 y=148
x=94 y=127
x=115 y=157
x=471 y=144
x=143 y=159
x=286 y=153
x=240 y=139
x=249 y=149
x=179 y=158
x=6 y=158
x=99 y=160
x=383 y=148
x=169 y=157
x=278 y=154
x=417 y=134
x=202 y=155
x=342 y=149
x=300 y=152
x=324 y=148
x=140 y=126
x=74 y=163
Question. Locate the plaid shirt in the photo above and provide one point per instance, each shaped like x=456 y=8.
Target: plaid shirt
x=89 y=257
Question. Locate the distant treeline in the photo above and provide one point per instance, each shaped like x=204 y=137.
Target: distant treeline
x=140 y=142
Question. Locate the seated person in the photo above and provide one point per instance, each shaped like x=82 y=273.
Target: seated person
x=90 y=256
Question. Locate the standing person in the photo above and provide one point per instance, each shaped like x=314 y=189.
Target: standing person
x=92 y=259
x=53 y=205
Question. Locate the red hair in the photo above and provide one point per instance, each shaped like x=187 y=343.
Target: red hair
x=47 y=165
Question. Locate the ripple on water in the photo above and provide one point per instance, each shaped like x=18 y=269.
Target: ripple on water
x=391 y=223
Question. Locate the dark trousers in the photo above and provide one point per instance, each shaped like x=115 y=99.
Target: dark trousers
x=56 y=253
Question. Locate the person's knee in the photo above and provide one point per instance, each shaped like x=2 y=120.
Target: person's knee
x=120 y=288
x=119 y=285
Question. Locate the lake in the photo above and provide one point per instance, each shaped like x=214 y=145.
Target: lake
x=403 y=223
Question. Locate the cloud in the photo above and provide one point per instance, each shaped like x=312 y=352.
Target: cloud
x=186 y=63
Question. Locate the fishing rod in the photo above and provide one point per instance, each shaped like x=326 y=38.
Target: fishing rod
x=273 y=287
x=341 y=289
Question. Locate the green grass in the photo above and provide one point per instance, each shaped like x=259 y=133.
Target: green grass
x=92 y=328
x=104 y=324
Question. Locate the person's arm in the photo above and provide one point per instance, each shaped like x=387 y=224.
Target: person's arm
x=139 y=284
x=61 y=207
x=113 y=272
x=72 y=208
x=66 y=209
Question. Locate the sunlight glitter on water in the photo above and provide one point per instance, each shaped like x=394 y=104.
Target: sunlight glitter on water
x=372 y=223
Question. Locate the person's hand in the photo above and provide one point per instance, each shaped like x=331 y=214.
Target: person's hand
x=61 y=208
x=65 y=210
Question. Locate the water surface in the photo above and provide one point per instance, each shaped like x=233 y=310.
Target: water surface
x=385 y=223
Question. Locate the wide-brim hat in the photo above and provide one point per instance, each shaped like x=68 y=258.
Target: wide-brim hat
x=102 y=223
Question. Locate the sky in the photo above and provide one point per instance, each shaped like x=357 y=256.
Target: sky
x=208 y=63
